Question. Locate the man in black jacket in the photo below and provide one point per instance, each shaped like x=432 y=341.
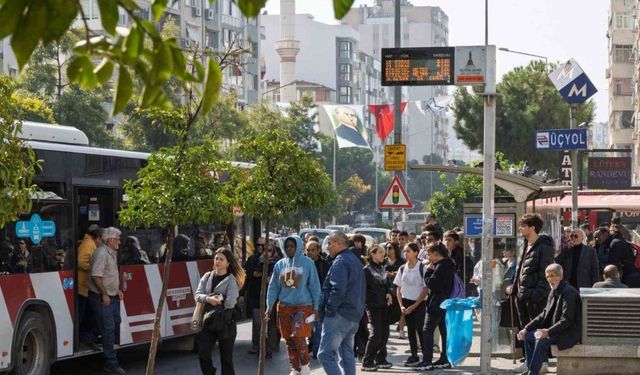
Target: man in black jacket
x=438 y=278
x=579 y=262
x=621 y=256
x=558 y=324
x=530 y=285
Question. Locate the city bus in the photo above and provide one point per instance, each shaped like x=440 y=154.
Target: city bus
x=79 y=186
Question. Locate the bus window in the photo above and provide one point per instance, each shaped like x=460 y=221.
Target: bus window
x=41 y=241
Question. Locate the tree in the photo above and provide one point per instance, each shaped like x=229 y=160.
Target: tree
x=285 y=179
x=19 y=163
x=303 y=117
x=528 y=101
x=31 y=108
x=448 y=203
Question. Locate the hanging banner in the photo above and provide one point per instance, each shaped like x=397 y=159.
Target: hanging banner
x=384 y=114
x=348 y=126
x=436 y=105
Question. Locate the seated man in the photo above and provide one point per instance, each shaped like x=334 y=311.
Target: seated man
x=611 y=278
x=558 y=324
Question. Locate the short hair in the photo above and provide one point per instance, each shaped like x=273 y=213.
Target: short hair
x=94 y=231
x=582 y=233
x=554 y=268
x=396 y=231
x=612 y=272
x=414 y=247
x=404 y=233
x=341 y=237
x=412 y=233
x=359 y=238
x=109 y=233
x=615 y=228
x=440 y=249
x=452 y=234
x=431 y=215
x=532 y=220
x=309 y=243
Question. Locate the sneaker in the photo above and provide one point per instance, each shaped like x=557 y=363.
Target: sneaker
x=544 y=368
x=305 y=370
x=412 y=361
x=422 y=366
x=402 y=335
x=384 y=364
x=254 y=350
x=113 y=368
x=294 y=372
x=442 y=365
x=370 y=367
x=521 y=369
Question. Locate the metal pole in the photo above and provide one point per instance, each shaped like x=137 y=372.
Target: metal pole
x=335 y=145
x=397 y=91
x=574 y=172
x=488 y=190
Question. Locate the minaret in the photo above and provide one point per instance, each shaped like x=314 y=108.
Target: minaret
x=287 y=48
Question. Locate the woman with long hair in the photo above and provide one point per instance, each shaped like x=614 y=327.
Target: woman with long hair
x=219 y=290
x=377 y=303
x=411 y=293
x=392 y=265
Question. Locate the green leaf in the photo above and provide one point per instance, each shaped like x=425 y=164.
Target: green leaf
x=163 y=63
x=28 y=33
x=199 y=70
x=341 y=8
x=157 y=8
x=124 y=90
x=212 y=86
x=104 y=70
x=149 y=95
x=60 y=15
x=251 y=8
x=9 y=16
x=80 y=70
x=133 y=43
x=109 y=15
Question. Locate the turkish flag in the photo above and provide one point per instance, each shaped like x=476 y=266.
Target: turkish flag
x=384 y=118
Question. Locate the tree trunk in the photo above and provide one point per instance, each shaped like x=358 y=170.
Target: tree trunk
x=263 y=304
x=155 y=336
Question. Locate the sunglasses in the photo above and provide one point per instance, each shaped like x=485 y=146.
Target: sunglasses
x=574 y=236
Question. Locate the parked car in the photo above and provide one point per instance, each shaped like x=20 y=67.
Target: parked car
x=320 y=232
x=341 y=227
x=368 y=241
x=380 y=235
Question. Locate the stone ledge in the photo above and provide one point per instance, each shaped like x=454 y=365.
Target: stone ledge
x=598 y=351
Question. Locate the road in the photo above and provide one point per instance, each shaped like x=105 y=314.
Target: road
x=184 y=362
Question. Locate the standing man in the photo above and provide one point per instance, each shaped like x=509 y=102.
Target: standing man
x=343 y=295
x=294 y=283
x=579 y=262
x=253 y=267
x=530 y=284
x=92 y=239
x=105 y=295
x=403 y=238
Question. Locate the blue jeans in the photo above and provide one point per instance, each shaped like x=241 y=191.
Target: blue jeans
x=108 y=322
x=536 y=352
x=337 y=340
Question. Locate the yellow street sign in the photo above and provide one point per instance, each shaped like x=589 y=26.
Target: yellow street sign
x=395 y=157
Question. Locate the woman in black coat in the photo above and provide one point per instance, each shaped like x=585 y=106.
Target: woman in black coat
x=378 y=305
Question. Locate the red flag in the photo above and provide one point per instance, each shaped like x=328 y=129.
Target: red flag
x=384 y=118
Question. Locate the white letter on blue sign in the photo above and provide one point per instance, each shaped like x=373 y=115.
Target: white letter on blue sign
x=578 y=91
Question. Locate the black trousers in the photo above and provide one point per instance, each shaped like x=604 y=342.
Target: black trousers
x=527 y=310
x=414 y=322
x=376 y=351
x=361 y=337
x=206 y=341
x=434 y=320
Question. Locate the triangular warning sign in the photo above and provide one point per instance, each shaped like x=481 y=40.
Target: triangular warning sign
x=395 y=196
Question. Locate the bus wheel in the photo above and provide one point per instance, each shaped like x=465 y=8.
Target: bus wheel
x=32 y=349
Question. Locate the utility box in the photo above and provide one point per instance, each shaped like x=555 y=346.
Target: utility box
x=610 y=316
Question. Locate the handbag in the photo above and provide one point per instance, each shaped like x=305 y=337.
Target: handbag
x=198 y=316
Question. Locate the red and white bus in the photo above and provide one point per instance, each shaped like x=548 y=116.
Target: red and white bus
x=82 y=185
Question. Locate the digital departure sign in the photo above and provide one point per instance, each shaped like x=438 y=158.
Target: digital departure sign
x=431 y=66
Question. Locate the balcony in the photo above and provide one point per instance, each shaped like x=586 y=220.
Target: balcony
x=231 y=21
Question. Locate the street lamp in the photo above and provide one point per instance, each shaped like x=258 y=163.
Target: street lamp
x=546 y=61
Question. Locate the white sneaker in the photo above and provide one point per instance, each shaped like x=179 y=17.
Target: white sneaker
x=294 y=372
x=522 y=368
x=305 y=370
x=544 y=368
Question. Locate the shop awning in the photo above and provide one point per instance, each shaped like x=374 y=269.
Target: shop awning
x=615 y=201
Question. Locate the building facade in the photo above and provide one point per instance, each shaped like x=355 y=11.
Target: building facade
x=421 y=26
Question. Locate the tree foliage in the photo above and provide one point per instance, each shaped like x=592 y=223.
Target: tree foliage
x=528 y=101
x=84 y=110
x=19 y=163
x=31 y=108
x=448 y=203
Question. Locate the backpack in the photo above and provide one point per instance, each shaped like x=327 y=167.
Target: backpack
x=636 y=250
x=457 y=290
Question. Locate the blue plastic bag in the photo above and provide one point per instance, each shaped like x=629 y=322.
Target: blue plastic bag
x=459 y=322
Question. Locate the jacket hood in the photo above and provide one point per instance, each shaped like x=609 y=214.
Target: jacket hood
x=299 y=247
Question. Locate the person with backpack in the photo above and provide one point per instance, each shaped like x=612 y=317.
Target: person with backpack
x=411 y=291
x=439 y=279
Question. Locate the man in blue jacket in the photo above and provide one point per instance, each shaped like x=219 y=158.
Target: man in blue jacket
x=294 y=283
x=343 y=296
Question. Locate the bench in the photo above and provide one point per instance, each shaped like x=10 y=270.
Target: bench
x=598 y=359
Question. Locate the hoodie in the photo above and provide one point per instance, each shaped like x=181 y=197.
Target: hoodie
x=294 y=281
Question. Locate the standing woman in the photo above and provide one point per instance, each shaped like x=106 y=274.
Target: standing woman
x=377 y=303
x=219 y=289
x=411 y=293
x=392 y=264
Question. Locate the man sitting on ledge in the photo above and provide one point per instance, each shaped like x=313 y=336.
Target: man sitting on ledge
x=558 y=324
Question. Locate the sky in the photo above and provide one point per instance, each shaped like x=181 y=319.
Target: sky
x=556 y=29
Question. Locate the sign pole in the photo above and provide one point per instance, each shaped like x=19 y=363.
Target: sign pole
x=574 y=172
x=397 y=95
x=488 y=192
